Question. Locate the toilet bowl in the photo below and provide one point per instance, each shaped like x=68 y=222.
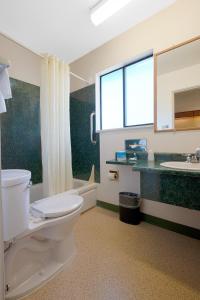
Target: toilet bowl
x=39 y=243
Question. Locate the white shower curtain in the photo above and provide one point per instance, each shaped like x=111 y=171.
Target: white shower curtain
x=55 y=126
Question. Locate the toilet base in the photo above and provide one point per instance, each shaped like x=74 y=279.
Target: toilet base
x=38 y=279
x=39 y=254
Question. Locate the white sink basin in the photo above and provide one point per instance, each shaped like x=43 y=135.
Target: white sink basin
x=181 y=165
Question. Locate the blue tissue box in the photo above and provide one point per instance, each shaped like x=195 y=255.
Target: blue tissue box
x=120 y=155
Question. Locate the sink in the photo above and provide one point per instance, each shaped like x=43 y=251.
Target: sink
x=181 y=165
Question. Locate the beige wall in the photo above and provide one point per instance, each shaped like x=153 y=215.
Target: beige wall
x=177 y=23
x=188 y=100
x=25 y=65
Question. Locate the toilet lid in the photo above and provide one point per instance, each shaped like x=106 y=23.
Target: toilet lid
x=56 y=206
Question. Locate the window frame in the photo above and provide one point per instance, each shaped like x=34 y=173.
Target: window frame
x=99 y=92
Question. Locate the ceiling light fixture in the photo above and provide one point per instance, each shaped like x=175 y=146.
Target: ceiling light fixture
x=105 y=9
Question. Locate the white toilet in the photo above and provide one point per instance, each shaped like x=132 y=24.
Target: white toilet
x=38 y=238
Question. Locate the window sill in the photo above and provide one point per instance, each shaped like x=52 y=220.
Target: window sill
x=126 y=128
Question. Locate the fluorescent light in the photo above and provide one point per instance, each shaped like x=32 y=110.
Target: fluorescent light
x=106 y=9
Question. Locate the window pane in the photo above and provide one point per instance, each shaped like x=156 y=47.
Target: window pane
x=139 y=93
x=112 y=100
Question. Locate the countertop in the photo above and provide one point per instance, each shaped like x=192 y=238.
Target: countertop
x=154 y=166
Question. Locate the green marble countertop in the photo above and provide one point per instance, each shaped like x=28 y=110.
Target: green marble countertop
x=154 y=166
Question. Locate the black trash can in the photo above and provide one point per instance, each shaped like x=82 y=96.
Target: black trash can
x=129 y=208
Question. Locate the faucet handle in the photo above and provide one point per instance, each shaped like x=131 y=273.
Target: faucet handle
x=189 y=157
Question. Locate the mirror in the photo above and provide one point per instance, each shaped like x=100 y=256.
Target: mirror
x=177 y=87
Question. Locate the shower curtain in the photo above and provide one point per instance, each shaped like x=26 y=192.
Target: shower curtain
x=55 y=126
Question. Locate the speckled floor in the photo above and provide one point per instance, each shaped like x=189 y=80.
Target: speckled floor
x=116 y=261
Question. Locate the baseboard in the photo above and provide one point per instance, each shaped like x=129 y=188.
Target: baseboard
x=176 y=227
x=108 y=206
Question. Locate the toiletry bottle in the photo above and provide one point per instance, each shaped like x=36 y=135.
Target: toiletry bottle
x=150 y=155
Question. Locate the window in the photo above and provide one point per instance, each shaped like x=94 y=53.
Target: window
x=125 y=96
x=112 y=100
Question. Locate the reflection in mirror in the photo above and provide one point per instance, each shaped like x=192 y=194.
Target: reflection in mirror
x=178 y=88
x=187 y=109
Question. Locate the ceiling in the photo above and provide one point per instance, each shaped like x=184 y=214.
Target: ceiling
x=63 y=27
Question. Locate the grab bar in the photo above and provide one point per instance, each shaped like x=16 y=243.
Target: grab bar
x=92 y=128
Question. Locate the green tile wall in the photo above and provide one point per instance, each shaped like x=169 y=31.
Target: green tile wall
x=84 y=153
x=20 y=134
x=161 y=156
x=171 y=189
x=21 y=141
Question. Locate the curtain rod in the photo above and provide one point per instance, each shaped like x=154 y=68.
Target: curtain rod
x=79 y=77
x=38 y=54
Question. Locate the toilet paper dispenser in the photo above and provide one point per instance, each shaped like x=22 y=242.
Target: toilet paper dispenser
x=113 y=174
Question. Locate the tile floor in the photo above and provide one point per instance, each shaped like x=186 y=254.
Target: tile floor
x=116 y=261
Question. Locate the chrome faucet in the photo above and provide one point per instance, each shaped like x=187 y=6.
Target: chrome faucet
x=134 y=158
x=194 y=158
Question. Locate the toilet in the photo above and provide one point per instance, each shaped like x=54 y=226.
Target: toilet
x=38 y=237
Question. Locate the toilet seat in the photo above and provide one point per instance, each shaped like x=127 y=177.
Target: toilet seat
x=56 y=206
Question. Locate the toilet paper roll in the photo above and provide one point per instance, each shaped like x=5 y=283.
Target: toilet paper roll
x=112 y=176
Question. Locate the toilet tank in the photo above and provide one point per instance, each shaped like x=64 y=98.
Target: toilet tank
x=15 y=186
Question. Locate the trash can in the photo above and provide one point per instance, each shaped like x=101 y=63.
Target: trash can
x=129 y=208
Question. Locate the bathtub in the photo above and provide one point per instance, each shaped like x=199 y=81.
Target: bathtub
x=87 y=190
x=80 y=187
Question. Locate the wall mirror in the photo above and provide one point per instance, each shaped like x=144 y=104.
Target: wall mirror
x=177 y=87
